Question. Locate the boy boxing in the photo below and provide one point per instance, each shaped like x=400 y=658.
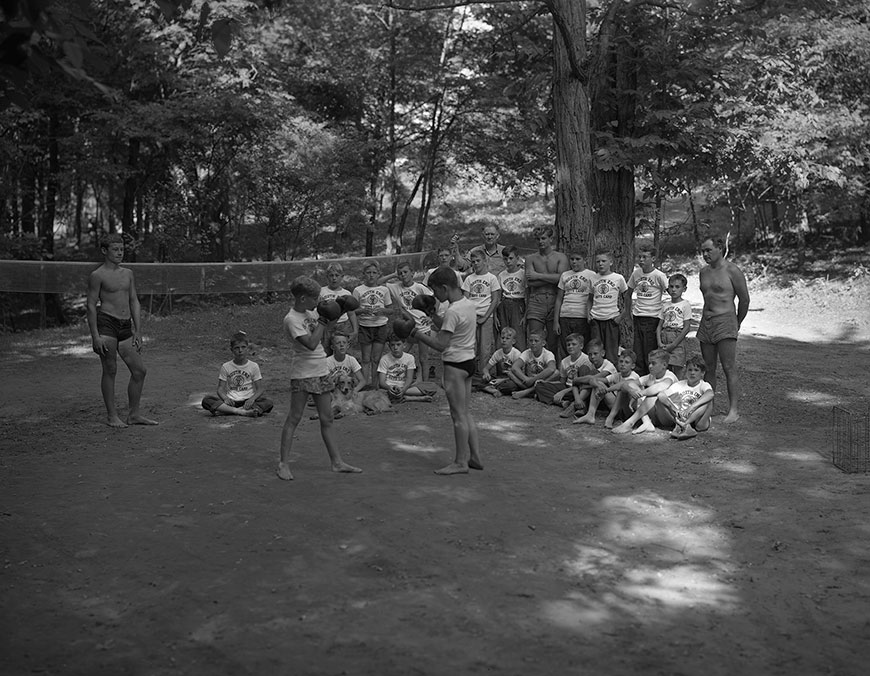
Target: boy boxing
x=116 y=329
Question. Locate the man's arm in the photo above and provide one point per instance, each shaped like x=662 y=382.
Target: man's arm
x=557 y=311
x=738 y=280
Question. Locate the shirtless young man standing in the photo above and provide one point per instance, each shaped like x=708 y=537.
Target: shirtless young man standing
x=721 y=281
x=115 y=329
x=543 y=271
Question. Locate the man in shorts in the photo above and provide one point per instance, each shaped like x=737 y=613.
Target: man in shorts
x=721 y=282
x=543 y=271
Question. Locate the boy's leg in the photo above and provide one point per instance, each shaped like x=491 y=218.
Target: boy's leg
x=617 y=405
x=294 y=415
x=109 y=363
x=377 y=352
x=423 y=357
x=611 y=342
x=323 y=402
x=643 y=408
x=700 y=417
x=133 y=360
x=365 y=358
x=457 y=384
x=589 y=418
x=264 y=404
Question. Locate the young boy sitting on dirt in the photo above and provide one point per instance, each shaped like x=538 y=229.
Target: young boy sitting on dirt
x=585 y=383
x=495 y=375
x=560 y=390
x=645 y=395
x=613 y=390
x=396 y=374
x=536 y=363
x=687 y=402
x=341 y=363
x=240 y=389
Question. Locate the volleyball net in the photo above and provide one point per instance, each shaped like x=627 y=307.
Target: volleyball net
x=196 y=278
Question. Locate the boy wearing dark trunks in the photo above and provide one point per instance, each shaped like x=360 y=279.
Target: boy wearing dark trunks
x=116 y=330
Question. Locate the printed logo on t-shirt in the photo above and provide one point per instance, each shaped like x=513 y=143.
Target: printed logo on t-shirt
x=672 y=317
x=682 y=401
x=396 y=372
x=512 y=286
x=479 y=288
x=577 y=284
x=371 y=298
x=535 y=366
x=310 y=323
x=238 y=380
x=604 y=287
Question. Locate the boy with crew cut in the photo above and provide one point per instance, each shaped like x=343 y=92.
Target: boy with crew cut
x=240 y=388
x=536 y=363
x=572 y=300
x=648 y=284
x=687 y=402
x=501 y=362
x=341 y=363
x=482 y=288
x=585 y=383
x=396 y=373
x=374 y=298
x=613 y=390
x=560 y=390
x=347 y=323
x=511 y=312
x=607 y=287
x=309 y=375
x=674 y=324
x=116 y=329
x=644 y=395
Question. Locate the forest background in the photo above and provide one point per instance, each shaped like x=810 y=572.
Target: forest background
x=281 y=129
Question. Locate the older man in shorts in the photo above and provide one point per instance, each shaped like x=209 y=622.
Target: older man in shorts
x=721 y=282
x=543 y=271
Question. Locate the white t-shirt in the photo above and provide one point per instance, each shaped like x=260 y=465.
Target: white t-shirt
x=606 y=367
x=617 y=377
x=675 y=314
x=607 y=289
x=535 y=365
x=649 y=289
x=513 y=284
x=396 y=369
x=494 y=261
x=480 y=289
x=372 y=298
x=683 y=395
x=576 y=287
x=331 y=294
x=306 y=363
x=407 y=294
x=649 y=379
x=570 y=368
x=240 y=379
x=499 y=357
x=347 y=366
x=461 y=320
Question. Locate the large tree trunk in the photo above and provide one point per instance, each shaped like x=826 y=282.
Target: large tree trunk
x=571 y=112
x=129 y=203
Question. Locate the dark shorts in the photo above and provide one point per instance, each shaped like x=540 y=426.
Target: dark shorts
x=373 y=334
x=468 y=366
x=716 y=328
x=542 y=306
x=320 y=385
x=112 y=327
x=678 y=356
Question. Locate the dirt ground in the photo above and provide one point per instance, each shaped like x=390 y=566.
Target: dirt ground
x=176 y=550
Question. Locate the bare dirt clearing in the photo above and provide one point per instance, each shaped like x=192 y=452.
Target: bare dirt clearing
x=175 y=550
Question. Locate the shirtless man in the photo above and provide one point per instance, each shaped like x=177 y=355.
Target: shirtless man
x=543 y=271
x=115 y=329
x=721 y=281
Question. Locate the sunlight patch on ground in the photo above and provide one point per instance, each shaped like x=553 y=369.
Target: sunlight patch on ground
x=196 y=398
x=654 y=555
x=812 y=397
x=457 y=493
x=415 y=448
x=739 y=467
x=512 y=432
x=800 y=456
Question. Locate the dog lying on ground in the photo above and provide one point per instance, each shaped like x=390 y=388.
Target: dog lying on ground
x=345 y=401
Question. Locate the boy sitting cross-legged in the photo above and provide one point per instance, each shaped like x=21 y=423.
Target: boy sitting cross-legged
x=396 y=373
x=536 y=363
x=687 y=402
x=585 y=383
x=613 y=390
x=341 y=363
x=500 y=363
x=645 y=394
x=240 y=388
x=560 y=390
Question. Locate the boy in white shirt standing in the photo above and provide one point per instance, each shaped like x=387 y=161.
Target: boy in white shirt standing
x=374 y=298
x=674 y=325
x=511 y=312
x=648 y=284
x=604 y=315
x=572 y=300
x=482 y=289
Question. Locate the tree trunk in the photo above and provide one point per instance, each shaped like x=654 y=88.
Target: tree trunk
x=572 y=116
x=129 y=204
x=28 y=200
x=48 y=214
x=80 y=206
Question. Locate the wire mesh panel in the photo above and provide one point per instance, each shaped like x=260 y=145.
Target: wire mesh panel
x=850 y=440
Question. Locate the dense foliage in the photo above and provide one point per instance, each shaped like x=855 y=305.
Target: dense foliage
x=241 y=130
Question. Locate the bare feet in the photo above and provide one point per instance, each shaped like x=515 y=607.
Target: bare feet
x=732 y=417
x=608 y=424
x=116 y=422
x=687 y=433
x=584 y=420
x=568 y=412
x=344 y=468
x=140 y=420
x=452 y=468
x=645 y=426
x=677 y=431
x=283 y=471
x=475 y=463
x=624 y=428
